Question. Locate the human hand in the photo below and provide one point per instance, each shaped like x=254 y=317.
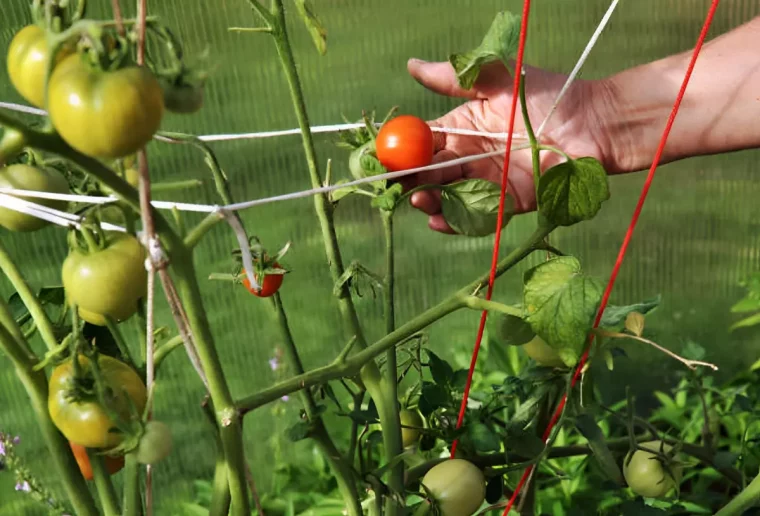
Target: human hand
x=575 y=128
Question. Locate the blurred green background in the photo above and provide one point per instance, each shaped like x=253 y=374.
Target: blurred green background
x=698 y=236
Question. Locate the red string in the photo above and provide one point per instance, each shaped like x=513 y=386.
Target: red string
x=500 y=218
x=627 y=239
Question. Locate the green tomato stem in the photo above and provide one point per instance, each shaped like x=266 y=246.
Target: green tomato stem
x=41 y=320
x=477 y=303
x=106 y=492
x=353 y=364
x=195 y=235
x=534 y=147
x=163 y=351
x=170 y=186
x=126 y=356
x=132 y=500
x=747 y=498
x=342 y=471
x=392 y=424
x=35 y=384
x=220 y=494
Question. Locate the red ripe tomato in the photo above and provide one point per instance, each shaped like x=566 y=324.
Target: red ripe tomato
x=113 y=464
x=405 y=142
x=271 y=284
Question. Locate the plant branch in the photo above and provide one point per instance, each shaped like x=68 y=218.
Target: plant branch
x=746 y=499
x=354 y=363
x=28 y=297
x=691 y=364
x=480 y=304
x=106 y=492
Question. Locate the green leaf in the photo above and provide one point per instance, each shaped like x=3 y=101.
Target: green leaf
x=509 y=330
x=526 y=442
x=471 y=207
x=750 y=303
x=634 y=323
x=752 y=320
x=596 y=441
x=441 y=370
x=388 y=200
x=298 y=431
x=433 y=396
x=499 y=43
x=340 y=193
x=314 y=26
x=614 y=316
x=573 y=191
x=561 y=303
x=483 y=438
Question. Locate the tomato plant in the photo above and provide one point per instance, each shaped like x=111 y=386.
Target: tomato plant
x=645 y=474
x=108 y=281
x=457 y=486
x=27 y=58
x=404 y=142
x=35 y=178
x=155 y=444
x=104 y=114
x=76 y=411
x=113 y=464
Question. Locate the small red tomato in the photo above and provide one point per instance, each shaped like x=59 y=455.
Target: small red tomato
x=404 y=142
x=271 y=284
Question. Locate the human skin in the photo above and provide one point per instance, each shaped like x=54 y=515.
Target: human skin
x=618 y=119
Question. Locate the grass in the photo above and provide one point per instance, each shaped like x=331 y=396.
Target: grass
x=697 y=236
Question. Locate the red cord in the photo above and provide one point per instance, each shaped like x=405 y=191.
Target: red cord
x=628 y=236
x=500 y=218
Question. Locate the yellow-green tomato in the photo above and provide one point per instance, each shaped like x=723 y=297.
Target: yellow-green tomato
x=646 y=475
x=412 y=419
x=458 y=487
x=104 y=114
x=107 y=282
x=27 y=177
x=85 y=421
x=542 y=353
x=28 y=55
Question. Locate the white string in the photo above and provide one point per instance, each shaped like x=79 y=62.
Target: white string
x=579 y=64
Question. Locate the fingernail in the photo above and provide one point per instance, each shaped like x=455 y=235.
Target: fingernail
x=415 y=60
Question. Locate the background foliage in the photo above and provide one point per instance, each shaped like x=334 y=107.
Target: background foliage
x=698 y=237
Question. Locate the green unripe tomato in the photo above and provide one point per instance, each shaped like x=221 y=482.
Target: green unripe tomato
x=542 y=353
x=155 y=444
x=646 y=475
x=458 y=487
x=411 y=418
x=27 y=177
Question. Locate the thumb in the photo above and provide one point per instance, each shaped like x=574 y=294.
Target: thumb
x=440 y=78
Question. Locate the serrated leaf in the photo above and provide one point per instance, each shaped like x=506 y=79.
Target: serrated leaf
x=509 y=330
x=340 y=193
x=614 y=316
x=316 y=29
x=441 y=370
x=596 y=441
x=432 y=397
x=471 y=207
x=499 y=43
x=483 y=438
x=561 y=303
x=634 y=323
x=573 y=191
x=388 y=200
x=298 y=431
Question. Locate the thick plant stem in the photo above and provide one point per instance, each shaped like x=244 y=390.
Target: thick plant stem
x=370 y=373
x=743 y=501
x=220 y=495
x=106 y=492
x=353 y=364
x=228 y=418
x=36 y=387
x=41 y=320
x=132 y=499
x=392 y=439
x=344 y=475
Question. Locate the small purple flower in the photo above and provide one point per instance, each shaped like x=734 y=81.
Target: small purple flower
x=274 y=363
x=16 y=440
x=285 y=398
x=23 y=486
x=2 y=449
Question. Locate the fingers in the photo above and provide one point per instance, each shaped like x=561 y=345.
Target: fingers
x=439 y=78
x=427 y=201
x=436 y=176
